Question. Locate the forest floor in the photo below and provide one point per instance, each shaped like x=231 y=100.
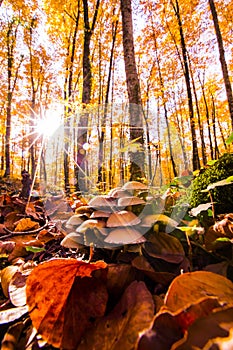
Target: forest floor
x=70 y=279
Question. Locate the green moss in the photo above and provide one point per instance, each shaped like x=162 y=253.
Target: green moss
x=222 y=196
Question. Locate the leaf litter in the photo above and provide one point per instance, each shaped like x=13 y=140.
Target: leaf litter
x=171 y=290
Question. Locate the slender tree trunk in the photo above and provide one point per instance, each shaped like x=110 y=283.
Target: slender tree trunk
x=195 y=157
x=216 y=149
x=11 y=84
x=203 y=149
x=207 y=119
x=86 y=97
x=137 y=158
x=68 y=91
x=222 y=59
x=104 y=119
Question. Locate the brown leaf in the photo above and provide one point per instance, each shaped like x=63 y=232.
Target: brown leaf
x=142 y=264
x=169 y=327
x=6 y=247
x=121 y=328
x=188 y=288
x=119 y=277
x=200 y=332
x=166 y=247
x=26 y=224
x=63 y=296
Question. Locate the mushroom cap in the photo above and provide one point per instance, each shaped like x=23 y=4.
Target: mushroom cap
x=84 y=209
x=134 y=185
x=100 y=214
x=127 y=201
x=90 y=224
x=119 y=193
x=113 y=190
x=74 y=220
x=122 y=218
x=103 y=202
x=125 y=235
x=149 y=220
x=72 y=240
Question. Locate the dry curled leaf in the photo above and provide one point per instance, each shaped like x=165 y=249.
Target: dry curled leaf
x=169 y=327
x=141 y=264
x=215 y=325
x=64 y=296
x=189 y=287
x=166 y=247
x=121 y=328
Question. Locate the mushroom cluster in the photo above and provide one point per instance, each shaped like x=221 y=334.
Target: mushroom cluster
x=111 y=220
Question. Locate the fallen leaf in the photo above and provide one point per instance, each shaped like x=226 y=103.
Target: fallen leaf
x=10 y=315
x=142 y=264
x=202 y=330
x=121 y=328
x=189 y=287
x=169 y=327
x=6 y=276
x=119 y=277
x=63 y=296
x=12 y=336
x=166 y=247
x=26 y=224
x=6 y=247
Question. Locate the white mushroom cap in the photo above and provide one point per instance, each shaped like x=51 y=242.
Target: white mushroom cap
x=90 y=223
x=103 y=202
x=119 y=193
x=149 y=220
x=127 y=201
x=122 y=218
x=74 y=220
x=72 y=240
x=100 y=214
x=134 y=185
x=125 y=235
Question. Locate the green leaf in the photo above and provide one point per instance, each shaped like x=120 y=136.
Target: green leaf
x=227 y=181
x=34 y=249
x=230 y=139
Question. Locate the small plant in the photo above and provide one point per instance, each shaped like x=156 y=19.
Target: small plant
x=222 y=196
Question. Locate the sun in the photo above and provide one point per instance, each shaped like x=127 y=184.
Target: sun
x=48 y=124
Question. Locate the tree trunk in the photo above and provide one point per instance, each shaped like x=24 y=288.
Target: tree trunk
x=103 y=123
x=222 y=59
x=11 y=83
x=195 y=157
x=86 y=97
x=68 y=91
x=137 y=157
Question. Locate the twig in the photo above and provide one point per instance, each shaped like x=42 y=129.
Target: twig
x=32 y=232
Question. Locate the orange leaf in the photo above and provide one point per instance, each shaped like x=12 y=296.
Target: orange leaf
x=26 y=224
x=63 y=295
x=190 y=287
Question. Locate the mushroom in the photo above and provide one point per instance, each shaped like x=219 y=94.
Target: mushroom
x=119 y=193
x=74 y=220
x=134 y=185
x=128 y=201
x=103 y=202
x=72 y=240
x=124 y=235
x=122 y=218
x=100 y=214
x=84 y=210
x=149 y=220
x=90 y=224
